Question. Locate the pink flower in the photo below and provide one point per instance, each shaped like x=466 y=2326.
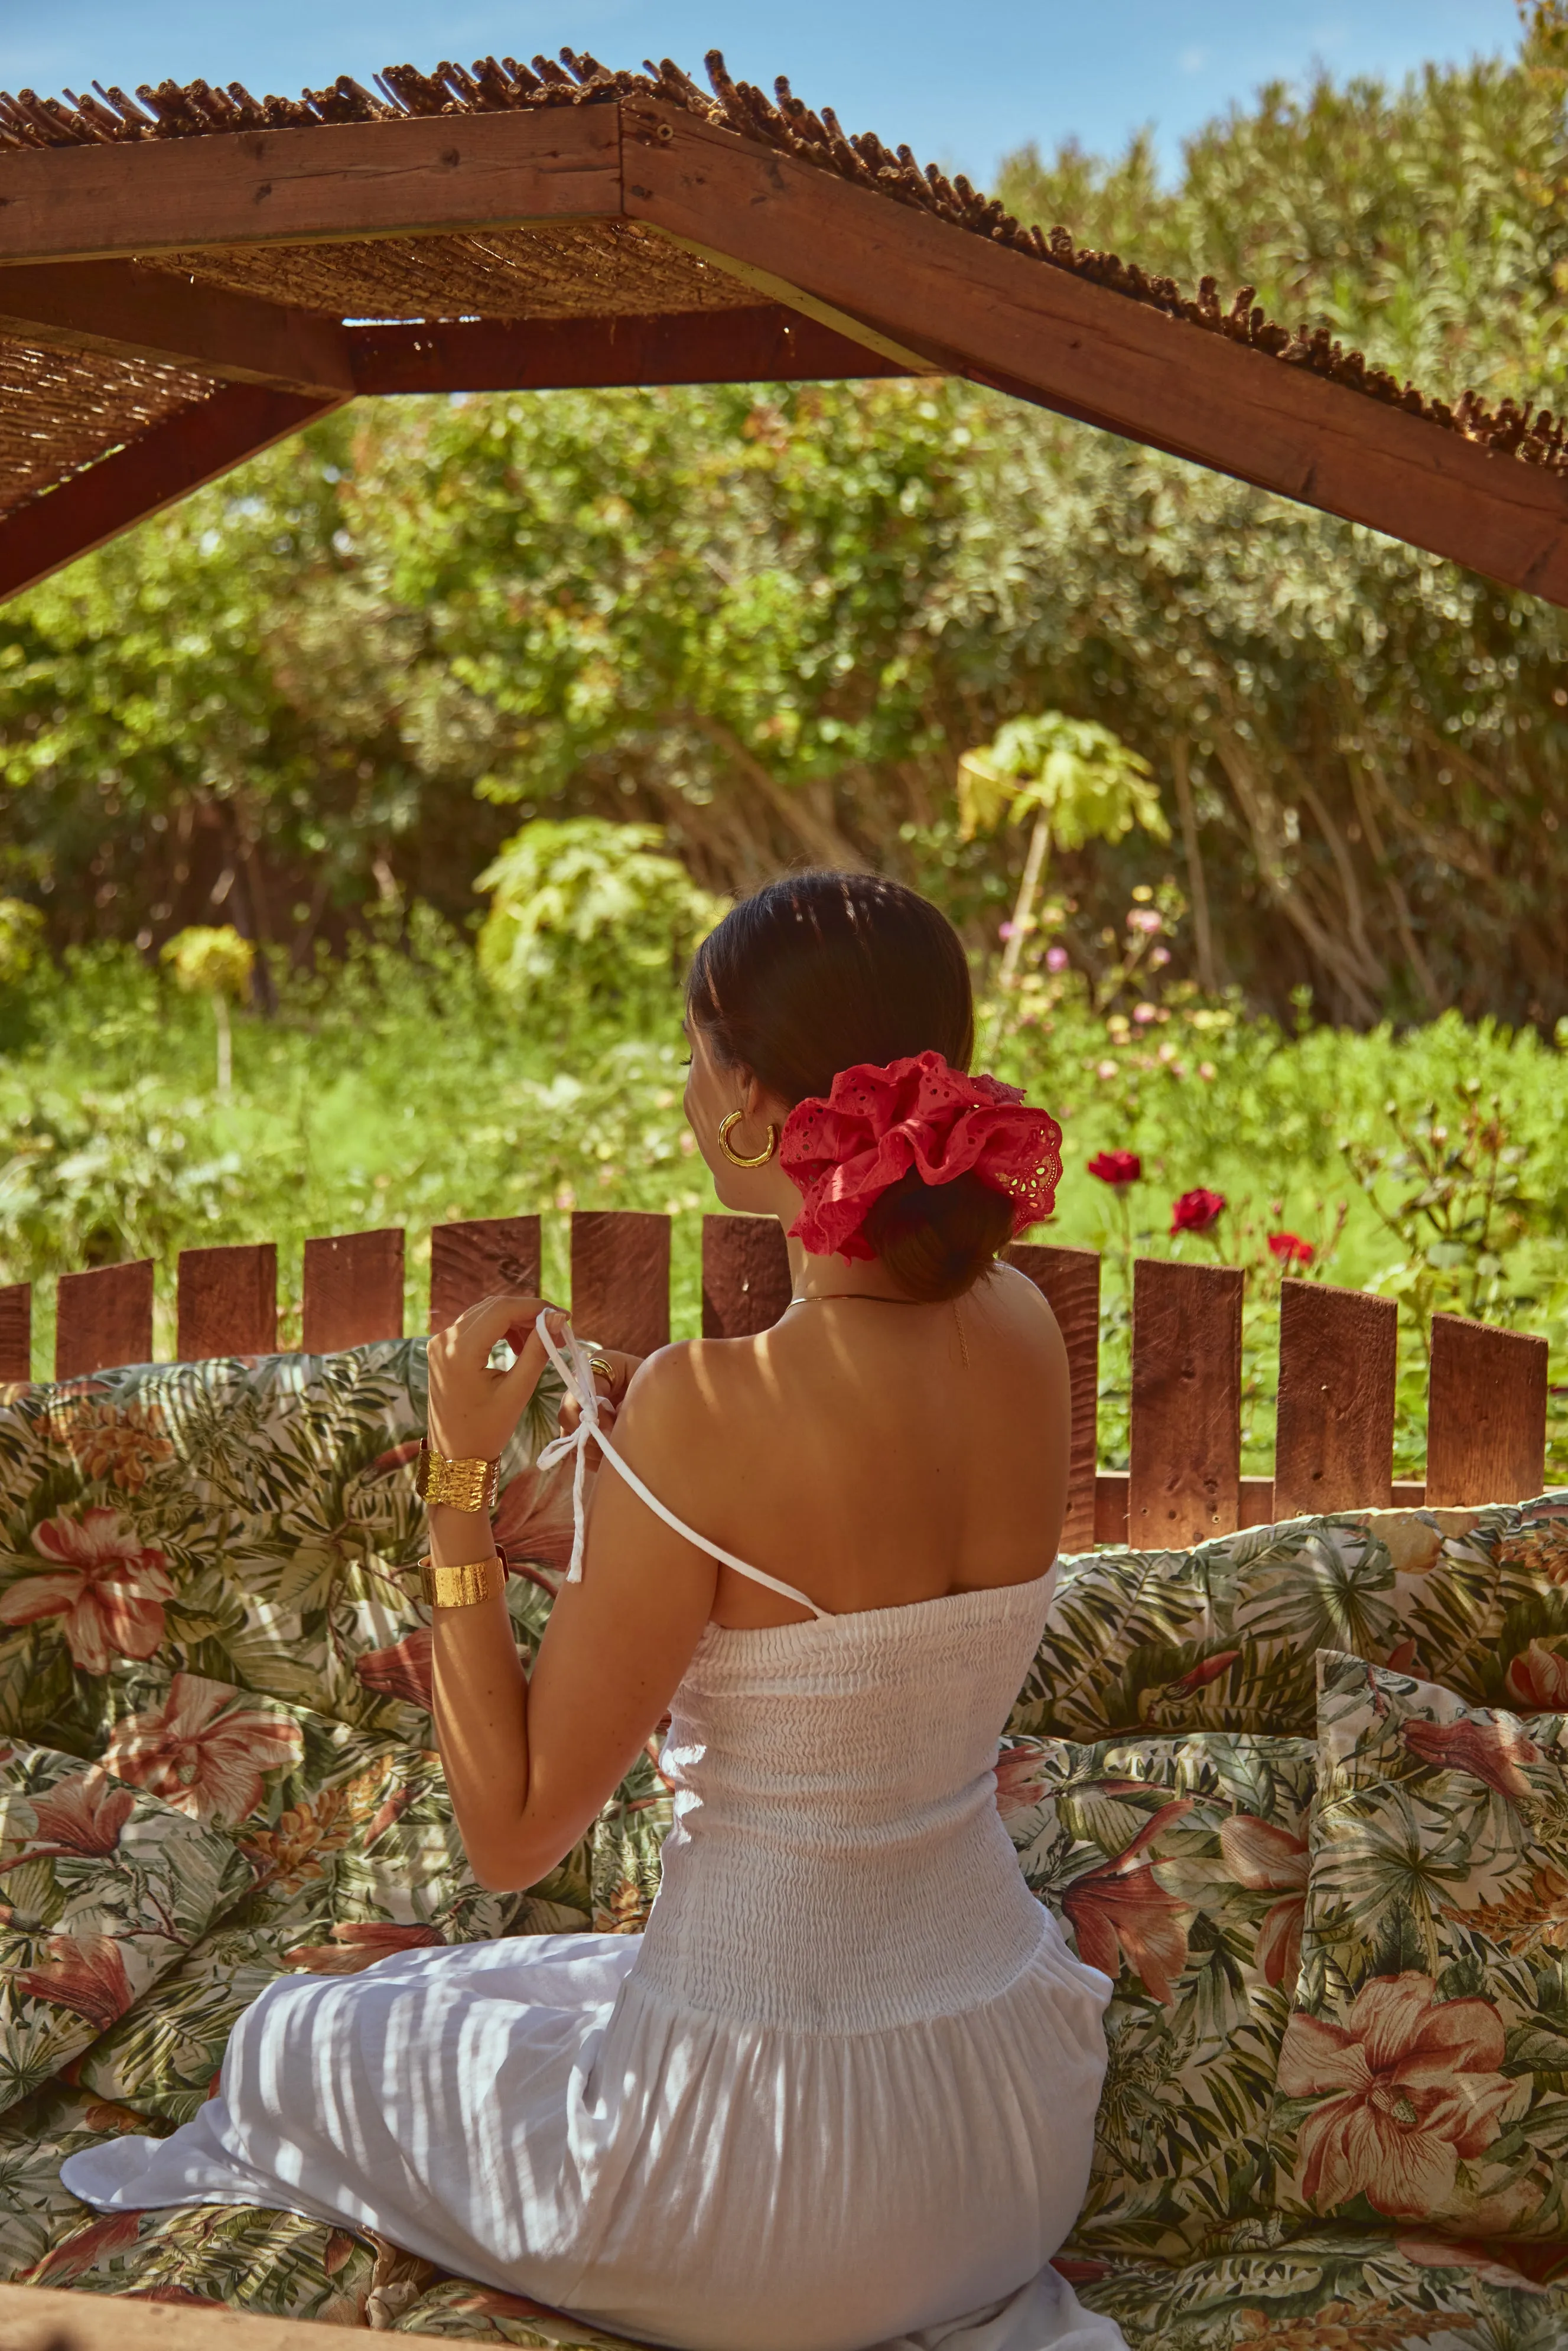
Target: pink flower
x=1489 y=1751
x=1206 y=1071
x=84 y=1815
x=1145 y=919
x=87 y=1976
x=1116 y=1167
x=1538 y=1677
x=1107 y=1069
x=1410 y=2087
x=1120 y=1910
x=355 y=1947
x=1144 y=1013
x=1056 y=958
x=1196 y=1212
x=202 y=1752
x=1290 y=1248
x=109 y=1590
x=1198 y=1677
x=1006 y=931
x=1270 y=1860
x=83 y=2250
x=403 y=1671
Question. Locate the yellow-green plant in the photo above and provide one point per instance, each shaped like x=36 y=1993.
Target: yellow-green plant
x=1078 y=780
x=216 y=964
x=21 y=938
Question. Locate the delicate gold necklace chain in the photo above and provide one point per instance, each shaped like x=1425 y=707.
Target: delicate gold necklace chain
x=872 y=1298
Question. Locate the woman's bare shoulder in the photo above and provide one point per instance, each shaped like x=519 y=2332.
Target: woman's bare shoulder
x=687 y=1385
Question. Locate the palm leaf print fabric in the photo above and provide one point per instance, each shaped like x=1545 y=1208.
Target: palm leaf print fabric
x=103 y=1889
x=1180 y=1866
x=1223 y=1637
x=1422 y=2074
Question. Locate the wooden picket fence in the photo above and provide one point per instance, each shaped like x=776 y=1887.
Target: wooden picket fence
x=1486 y=1425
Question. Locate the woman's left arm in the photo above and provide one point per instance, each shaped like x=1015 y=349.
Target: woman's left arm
x=529 y=1766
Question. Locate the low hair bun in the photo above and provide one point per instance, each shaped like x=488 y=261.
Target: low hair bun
x=938 y=1239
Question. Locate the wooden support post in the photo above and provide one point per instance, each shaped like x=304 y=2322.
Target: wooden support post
x=1110 y=1507
x=1184 y=1466
x=746 y=1275
x=103 y=1317
x=16 y=1331
x=1069 y=1280
x=467 y=1261
x=227 y=1302
x=353 y=1290
x=621 y=1279
x=1338 y=1361
x=1486 y=1415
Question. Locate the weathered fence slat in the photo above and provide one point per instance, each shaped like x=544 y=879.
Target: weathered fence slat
x=1068 y=1279
x=103 y=1317
x=16 y=1330
x=621 y=1279
x=352 y=1291
x=468 y=1261
x=1184 y=1445
x=227 y=1302
x=1338 y=1364
x=1486 y=1415
x=746 y=1275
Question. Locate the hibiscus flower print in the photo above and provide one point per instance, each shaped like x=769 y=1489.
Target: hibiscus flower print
x=87 y=1976
x=1408 y=2087
x=403 y=1671
x=355 y=1947
x=120 y=1445
x=1270 y=1860
x=203 y=1751
x=1493 y=1751
x=1537 y=1678
x=108 y=1586
x=1120 y=1912
x=83 y=1815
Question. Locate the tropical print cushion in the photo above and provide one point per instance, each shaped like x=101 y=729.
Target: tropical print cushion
x=1338 y=2291
x=251 y=1521
x=1178 y=1866
x=103 y=1888
x=37 y=2134
x=1223 y=1637
x=1422 y=2076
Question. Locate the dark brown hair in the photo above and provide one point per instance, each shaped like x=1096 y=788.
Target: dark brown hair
x=822 y=970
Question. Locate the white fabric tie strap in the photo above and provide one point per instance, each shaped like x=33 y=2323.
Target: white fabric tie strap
x=576 y=1370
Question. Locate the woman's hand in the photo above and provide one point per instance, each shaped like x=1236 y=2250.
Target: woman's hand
x=610 y=1387
x=473 y=1409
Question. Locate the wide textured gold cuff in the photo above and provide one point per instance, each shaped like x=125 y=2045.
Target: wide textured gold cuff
x=462 y=1586
x=460 y=1485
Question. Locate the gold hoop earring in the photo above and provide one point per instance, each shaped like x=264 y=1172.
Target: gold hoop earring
x=739 y=1158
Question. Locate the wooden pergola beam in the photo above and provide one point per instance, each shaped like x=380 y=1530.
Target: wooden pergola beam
x=879 y=271
x=193 y=446
x=338 y=180
x=769 y=343
x=116 y=309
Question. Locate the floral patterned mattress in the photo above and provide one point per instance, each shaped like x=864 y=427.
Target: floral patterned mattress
x=216 y=1764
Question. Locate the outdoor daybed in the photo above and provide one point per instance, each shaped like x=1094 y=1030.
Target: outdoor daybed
x=1270 y=1773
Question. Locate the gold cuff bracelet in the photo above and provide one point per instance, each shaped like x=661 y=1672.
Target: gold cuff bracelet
x=461 y=1485
x=462 y=1586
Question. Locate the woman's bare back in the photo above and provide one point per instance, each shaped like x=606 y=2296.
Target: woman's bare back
x=871 y=1453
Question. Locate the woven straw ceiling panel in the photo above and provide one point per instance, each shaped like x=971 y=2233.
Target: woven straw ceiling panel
x=59 y=410
x=607 y=270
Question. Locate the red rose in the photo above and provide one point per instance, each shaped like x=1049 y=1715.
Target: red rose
x=1116 y=1167
x=1196 y=1212
x=1290 y=1248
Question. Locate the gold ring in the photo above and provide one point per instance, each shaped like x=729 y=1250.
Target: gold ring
x=602 y=1363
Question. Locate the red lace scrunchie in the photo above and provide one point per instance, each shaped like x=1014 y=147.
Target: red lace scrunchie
x=876 y=1123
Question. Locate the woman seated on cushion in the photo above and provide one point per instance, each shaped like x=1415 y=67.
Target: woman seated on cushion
x=843 y=2091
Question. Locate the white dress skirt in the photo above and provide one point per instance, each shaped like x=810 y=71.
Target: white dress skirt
x=839 y=2095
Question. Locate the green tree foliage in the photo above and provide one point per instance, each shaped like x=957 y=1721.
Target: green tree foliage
x=591 y=919
x=769 y=620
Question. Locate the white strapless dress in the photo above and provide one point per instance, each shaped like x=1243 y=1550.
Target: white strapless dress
x=840 y=2093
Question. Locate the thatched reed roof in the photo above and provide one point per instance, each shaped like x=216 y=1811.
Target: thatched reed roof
x=187 y=273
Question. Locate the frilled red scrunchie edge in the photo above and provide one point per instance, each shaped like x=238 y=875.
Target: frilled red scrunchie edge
x=846 y=1151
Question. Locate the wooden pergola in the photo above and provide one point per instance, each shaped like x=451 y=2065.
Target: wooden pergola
x=188 y=276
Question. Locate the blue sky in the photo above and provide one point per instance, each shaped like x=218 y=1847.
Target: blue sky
x=1047 y=71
